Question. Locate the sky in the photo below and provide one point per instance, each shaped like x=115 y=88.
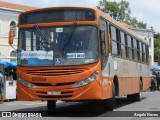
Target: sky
x=144 y=10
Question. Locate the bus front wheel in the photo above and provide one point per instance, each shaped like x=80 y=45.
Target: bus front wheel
x=51 y=105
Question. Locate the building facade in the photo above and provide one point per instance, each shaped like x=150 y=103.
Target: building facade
x=9 y=18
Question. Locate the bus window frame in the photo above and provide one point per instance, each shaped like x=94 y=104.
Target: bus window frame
x=117 y=40
x=103 y=36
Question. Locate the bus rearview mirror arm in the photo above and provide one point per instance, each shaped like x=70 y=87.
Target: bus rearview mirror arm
x=11 y=38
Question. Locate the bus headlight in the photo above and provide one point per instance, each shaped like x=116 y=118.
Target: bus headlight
x=87 y=81
x=25 y=83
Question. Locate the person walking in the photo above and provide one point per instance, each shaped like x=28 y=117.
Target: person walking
x=153 y=81
x=158 y=80
x=1 y=86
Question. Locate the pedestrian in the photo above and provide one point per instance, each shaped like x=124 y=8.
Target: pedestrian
x=1 y=86
x=153 y=81
x=158 y=80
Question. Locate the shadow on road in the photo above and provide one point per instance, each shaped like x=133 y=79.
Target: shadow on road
x=77 y=109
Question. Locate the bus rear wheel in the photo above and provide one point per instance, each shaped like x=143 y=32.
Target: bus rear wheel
x=51 y=105
x=110 y=103
x=136 y=96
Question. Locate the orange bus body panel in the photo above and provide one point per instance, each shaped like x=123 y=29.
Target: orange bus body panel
x=93 y=91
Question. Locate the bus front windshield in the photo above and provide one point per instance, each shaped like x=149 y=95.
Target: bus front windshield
x=58 y=46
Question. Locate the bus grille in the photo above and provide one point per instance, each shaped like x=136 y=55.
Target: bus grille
x=49 y=84
x=54 y=72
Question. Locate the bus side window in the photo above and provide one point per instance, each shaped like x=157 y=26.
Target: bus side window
x=129 y=47
x=126 y=46
x=140 y=50
x=103 y=41
x=114 y=40
x=103 y=37
x=103 y=46
x=144 y=53
x=135 y=49
x=147 y=54
x=143 y=59
x=133 y=57
x=123 y=48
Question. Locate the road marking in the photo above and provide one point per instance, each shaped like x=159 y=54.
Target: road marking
x=25 y=103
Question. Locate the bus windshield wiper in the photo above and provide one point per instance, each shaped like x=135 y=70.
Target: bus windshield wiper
x=40 y=33
x=43 y=36
x=72 y=30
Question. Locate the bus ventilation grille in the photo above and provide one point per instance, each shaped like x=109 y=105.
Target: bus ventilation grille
x=54 y=72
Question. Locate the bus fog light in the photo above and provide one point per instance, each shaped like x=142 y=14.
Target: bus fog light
x=25 y=83
x=87 y=81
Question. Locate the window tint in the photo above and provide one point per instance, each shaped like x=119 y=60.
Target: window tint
x=123 y=48
x=114 y=40
x=147 y=54
x=135 y=49
x=144 y=52
x=129 y=46
x=57 y=15
x=138 y=51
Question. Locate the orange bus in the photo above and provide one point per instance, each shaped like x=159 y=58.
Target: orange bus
x=78 y=54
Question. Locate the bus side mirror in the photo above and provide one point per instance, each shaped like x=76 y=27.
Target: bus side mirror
x=11 y=36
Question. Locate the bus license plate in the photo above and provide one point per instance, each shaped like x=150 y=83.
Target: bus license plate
x=54 y=93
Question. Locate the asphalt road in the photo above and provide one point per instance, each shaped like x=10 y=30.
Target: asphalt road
x=148 y=109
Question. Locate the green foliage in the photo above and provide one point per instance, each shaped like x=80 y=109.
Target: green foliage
x=156 y=46
x=120 y=11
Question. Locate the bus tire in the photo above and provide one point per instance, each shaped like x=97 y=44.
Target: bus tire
x=130 y=97
x=109 y=104
x=51 y=105
x=138 y=96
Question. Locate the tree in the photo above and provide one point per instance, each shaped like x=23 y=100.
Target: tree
x=156 y=46
x=124 y=11
x=121 y=12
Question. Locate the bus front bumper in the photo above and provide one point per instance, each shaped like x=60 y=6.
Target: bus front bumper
x=91 y=91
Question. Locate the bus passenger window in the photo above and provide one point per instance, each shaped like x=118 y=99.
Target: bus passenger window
x=132 y=49
x=144 y=52
x=114 y=41
x=103 y=46
x=140 y=49
x=129 y=47
x=123 y=49
x=147 y=54
x=126 y=46
x=135 y=49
